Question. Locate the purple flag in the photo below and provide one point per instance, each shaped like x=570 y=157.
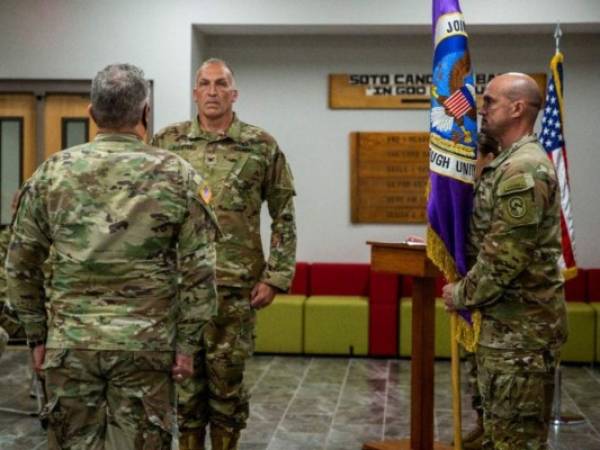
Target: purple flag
x=452 y=154
x=452 y=143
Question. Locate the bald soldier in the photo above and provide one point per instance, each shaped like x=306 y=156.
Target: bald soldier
x=244 y=168
x=132 y=281
x=516 y=281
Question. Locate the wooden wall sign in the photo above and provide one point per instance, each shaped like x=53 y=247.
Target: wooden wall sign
x=389 y=173
x=395 y=91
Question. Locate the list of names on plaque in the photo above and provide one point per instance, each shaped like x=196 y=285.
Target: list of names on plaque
x=389 y=173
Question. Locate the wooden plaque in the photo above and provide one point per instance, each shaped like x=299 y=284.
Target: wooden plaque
x=396 y=90
x=345 y=93
x=389 y=173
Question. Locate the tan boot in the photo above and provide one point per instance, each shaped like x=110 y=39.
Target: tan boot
x=474 y=438
x=192 y=440
x=224 y=439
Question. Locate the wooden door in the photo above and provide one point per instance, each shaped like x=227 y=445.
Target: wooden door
x=17 y=146
x=66 y=122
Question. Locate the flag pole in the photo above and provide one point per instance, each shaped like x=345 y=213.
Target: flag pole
x=557 y=35
x=455 y=370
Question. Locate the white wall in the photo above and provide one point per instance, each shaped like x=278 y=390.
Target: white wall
x=283 y=78
x=283 y=85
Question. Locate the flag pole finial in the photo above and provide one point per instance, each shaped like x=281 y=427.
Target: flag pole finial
x=557 y=35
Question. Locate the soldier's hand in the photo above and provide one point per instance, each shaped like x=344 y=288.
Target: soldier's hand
x=183 y=367
x=447 y=291
x=38 y=354
x=262 y=295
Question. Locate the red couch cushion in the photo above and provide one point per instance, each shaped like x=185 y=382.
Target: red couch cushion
x=593 y=285
x=384 y=288
x=300 y=282
x=339 y=279
x=383 y=330
x=575 y=288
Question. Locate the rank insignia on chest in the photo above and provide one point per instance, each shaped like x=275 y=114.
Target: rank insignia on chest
x=205 y=193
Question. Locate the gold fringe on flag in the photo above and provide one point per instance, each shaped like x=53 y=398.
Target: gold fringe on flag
x=440 y=256
x=466 y=335
x=569 y=273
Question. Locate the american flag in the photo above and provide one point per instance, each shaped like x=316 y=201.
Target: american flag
x=553 y=140
x=458 y=103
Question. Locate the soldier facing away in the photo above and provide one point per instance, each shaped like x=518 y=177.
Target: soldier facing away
x=515 y=281
x=244 y=167
x=126 y=222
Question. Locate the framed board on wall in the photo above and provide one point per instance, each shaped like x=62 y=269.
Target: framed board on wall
x=388 y=177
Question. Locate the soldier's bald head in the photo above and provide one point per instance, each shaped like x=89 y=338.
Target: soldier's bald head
x=521 y=87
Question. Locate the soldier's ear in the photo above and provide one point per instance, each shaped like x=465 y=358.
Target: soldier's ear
x=235 y=95
x=91 y=113
x=518 y=108
x=146 y=115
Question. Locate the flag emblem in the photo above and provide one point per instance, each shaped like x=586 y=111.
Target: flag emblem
x=458 y=104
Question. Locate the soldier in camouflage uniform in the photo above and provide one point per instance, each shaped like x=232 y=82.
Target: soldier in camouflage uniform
x=4 y=239
x=244 y=167
x=487 y=150
x=516 y=281
x=9 y=322
x=132 y=281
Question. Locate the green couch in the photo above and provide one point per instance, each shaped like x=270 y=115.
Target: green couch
x=280 y=327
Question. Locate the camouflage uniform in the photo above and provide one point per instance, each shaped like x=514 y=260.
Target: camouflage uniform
x=243 y=168
x=9 y=324
x=125 y=221
x=4 y=238
x=3 y=340
x=517 y=285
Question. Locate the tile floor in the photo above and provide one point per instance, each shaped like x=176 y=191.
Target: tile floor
x=309 y=403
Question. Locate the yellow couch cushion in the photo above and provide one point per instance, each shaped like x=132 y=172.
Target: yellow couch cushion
x=336 y=325
x=442 y=329
x=582 y=333
x=279 y=327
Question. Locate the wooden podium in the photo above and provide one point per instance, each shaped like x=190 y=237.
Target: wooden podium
x=412 y=260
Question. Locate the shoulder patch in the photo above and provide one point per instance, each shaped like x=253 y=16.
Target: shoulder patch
x=517 y=183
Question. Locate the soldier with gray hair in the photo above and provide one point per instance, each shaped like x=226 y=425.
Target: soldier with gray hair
x=515 y=280
x=132 y=276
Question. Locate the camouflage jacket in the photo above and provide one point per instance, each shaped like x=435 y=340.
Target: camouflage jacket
x=243 y=168
x=4 y=239
x=515 y=280
x=120 y=217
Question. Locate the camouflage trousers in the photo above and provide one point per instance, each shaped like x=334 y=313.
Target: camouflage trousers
x=10 y=322
x=516 y=389
x=471 y=365
x=3 y=340
x=100 y=400
x=216 y=393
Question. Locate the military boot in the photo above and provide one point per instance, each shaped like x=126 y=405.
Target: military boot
x=192 y=440
x=224 y=439
x=473 y=440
